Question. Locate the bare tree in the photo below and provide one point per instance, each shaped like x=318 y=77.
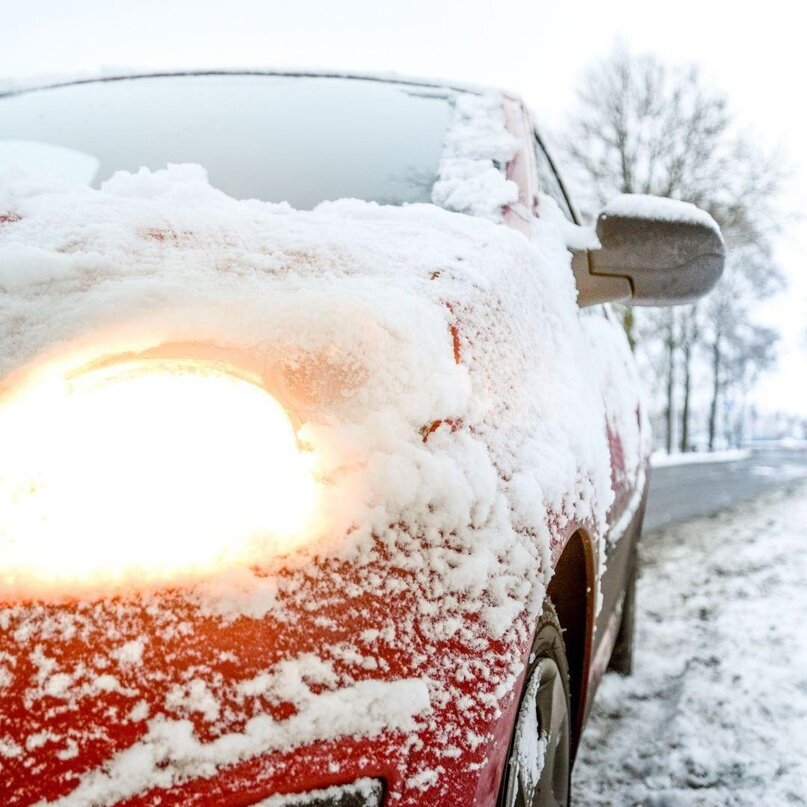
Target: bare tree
x=738 y=349
x=690 y=334
x=758 y=353
x=644 y=127
x=670 y=342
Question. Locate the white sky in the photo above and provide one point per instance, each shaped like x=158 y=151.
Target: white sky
x=755 y=53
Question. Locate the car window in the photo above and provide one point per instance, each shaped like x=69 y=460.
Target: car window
x=295 y=139
x=548 y=181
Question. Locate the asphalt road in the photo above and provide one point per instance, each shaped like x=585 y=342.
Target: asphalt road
x=681 y=492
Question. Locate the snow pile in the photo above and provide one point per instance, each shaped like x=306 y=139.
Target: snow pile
x=439 y=376
x=661 y=459
x=476 y=149
x=715 y=712
x=637 y=205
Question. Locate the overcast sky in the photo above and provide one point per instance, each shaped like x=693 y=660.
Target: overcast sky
x=755 y=52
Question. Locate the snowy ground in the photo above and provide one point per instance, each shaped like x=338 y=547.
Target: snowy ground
x=660 y=459
x=716 y=710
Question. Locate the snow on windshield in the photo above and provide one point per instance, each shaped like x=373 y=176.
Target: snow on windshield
x=435 y=369
x=73 y=165
x=301 y=140
x=476 y=150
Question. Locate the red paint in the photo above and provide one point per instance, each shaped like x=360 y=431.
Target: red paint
x=251 y=646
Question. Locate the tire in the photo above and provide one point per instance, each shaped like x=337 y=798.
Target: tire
x=622 y=654
x=538 y=769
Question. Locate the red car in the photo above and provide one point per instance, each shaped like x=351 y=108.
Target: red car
x=446 y=449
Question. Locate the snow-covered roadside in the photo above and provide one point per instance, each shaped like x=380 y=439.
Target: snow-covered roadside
x=716 y=710
x=661 y=459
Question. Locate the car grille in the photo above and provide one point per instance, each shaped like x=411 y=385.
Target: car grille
x=361 y=793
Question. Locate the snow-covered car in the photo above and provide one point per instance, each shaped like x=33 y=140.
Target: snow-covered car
x=323 y=461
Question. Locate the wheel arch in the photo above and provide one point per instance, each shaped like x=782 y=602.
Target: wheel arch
x=572 y=592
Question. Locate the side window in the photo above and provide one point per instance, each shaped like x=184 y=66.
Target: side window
x=548 y=181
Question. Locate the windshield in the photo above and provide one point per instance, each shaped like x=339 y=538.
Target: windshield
x=275 y=138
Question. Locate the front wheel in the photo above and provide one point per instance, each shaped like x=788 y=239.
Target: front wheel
x=538 y=771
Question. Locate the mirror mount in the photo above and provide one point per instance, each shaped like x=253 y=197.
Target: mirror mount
x=654 y=252
x=595 y=289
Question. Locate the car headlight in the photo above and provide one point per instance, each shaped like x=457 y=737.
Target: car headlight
x=148 y=468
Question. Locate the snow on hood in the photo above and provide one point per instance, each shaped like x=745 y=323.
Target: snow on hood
x=434 y=362
x=366 y=292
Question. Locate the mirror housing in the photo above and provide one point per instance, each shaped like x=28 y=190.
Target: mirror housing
x=654 y=252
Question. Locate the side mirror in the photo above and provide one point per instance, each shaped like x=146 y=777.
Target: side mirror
x=654 y=251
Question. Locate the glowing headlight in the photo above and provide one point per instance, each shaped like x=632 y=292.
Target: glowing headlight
x=146 y=470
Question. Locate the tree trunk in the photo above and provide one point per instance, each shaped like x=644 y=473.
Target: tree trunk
x=670 y=414
x=684 y=444
x=739 y=431
x=715 y=391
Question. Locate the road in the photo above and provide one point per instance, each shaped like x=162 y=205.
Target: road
x=706 y=718
x=681 y=492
